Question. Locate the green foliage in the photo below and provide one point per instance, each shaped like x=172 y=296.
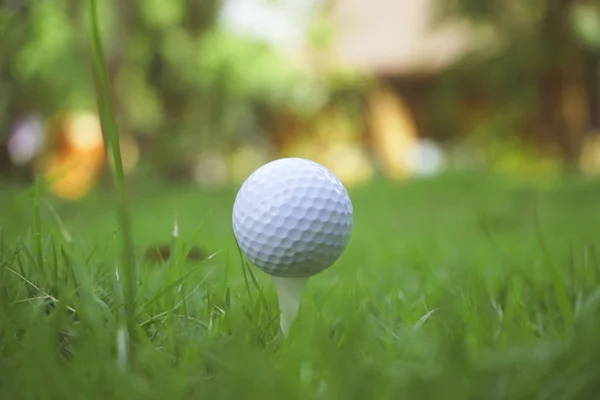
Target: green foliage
x=519 y=47
x=162 y=14
x=43 y=65
x=239 y=69
x=177 y=77
x=585 y=19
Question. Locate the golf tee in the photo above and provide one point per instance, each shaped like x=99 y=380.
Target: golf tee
x=289 y=293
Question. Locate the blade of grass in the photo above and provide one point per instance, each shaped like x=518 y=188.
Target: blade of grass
x=246 y=281
x=163 y=291
x=63 y=230
x=37 y=228
x=128 y=268
x=69 y=274
x=259 y=288
x=55 y=277
x=30 y=256
x=10 y=259
x=561 y=292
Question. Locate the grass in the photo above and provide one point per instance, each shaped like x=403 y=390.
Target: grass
x=464 y=286
x=127 y=270
x=458 y=287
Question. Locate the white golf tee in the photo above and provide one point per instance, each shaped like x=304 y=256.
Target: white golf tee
x=289 y=293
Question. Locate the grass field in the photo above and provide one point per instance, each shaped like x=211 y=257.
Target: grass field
x=458 y=287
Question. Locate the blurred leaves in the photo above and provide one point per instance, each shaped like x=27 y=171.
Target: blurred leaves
x=242 y=69
x=531 y=36
x=44 y=67
x=585 y=19
x=512 y=81
x=162 y=14
x=178 y=77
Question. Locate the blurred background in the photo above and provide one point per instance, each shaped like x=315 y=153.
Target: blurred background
x=205 y=91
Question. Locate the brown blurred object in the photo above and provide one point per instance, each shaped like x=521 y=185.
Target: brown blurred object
x=162 y=252
x=211 y=169
x=563 y=117
x=75 y=154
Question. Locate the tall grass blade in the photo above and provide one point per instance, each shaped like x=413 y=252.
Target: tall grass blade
x=37 y=228
x=246 y=281
x=128 y=268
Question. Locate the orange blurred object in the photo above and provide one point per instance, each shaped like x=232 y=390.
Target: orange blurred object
x=75 y=156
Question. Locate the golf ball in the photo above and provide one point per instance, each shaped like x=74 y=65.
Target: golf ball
x=292 y=218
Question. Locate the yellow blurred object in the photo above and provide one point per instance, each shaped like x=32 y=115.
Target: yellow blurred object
x=393 y=132
x=245 y=160
x=349 y=163
x=83 y=131
x=589 y=161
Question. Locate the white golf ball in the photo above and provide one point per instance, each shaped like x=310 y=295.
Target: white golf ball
x=292 y=218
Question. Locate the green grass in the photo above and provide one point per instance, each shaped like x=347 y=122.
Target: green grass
x=459 y=287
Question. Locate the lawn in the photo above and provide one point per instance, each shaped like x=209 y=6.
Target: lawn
x=461 y=286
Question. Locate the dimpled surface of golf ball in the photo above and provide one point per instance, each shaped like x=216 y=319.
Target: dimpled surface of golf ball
x=292 y=217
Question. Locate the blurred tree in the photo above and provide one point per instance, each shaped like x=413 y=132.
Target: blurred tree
x=180 y=81
x=540 y=74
